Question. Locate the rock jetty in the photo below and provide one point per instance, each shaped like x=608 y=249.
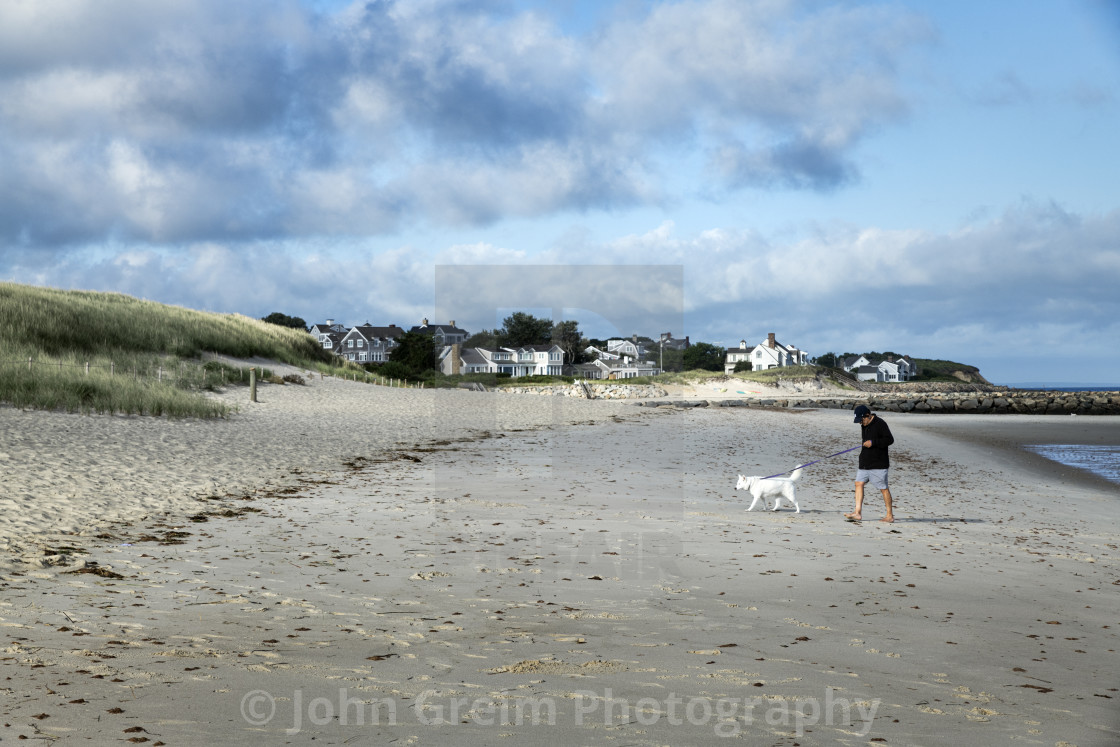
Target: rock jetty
x=1004 y=402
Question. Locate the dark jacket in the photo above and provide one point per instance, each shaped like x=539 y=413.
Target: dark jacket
x=875 y=456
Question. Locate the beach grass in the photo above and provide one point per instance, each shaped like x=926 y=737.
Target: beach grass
x=84 y=351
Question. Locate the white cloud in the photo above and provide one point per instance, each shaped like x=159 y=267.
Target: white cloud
x=260 y=120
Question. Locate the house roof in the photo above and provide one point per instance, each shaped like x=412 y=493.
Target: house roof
x=321 y=328
x=471 y=357
x=849 y=361
x=368 y=331
x=445 y=329
x=673 y=343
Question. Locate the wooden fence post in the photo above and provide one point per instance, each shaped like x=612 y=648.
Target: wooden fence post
x=87 y=368
x=252 y=383
x=29 y=364
x=112 y=367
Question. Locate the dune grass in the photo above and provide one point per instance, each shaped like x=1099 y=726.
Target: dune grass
x=771 y=375
x=83 y=351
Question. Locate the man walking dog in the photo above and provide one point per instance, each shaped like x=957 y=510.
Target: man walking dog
x=874 y=461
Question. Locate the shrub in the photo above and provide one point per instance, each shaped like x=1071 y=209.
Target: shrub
x=394 y=370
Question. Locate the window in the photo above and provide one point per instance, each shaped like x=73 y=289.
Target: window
x=327 y=343
x=361 y=343
x=350 y=344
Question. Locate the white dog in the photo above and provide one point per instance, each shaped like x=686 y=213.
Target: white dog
x=771 y=487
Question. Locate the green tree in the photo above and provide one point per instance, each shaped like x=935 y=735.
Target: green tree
x=520 y=328
x=670 y=359
x=486 y=338
x=567 y=336
x=283 y=320
x=704 y=356
x=744 y=366
x=415 y=351
x=390 y=370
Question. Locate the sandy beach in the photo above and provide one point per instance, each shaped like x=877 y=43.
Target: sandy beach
x=347 y=564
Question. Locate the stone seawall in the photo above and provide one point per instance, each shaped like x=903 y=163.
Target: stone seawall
x=597 y=390
x=1004 y=402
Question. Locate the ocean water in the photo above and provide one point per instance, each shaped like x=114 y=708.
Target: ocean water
x=1036 y=387
x=1100 y=460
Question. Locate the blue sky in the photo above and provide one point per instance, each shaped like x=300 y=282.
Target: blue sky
x=937 y=178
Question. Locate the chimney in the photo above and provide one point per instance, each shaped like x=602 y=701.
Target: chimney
x=330 y=322
x=456 y=360
x=634 y=337
x=770 y=340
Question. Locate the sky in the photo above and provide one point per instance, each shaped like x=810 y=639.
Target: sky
x=936 y=178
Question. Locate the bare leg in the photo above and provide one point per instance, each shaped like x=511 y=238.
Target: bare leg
x=890 y=506
x=858 y=513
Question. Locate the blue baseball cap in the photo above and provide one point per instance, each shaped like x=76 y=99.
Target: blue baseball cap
x=861 y=412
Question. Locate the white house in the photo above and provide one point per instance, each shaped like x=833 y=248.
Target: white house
x=854 y=362
x=596 y=353
x=863 y=368
x=630 y=348
x=527 y=360
x=737 y=355
x=328 y=334
x=769 y=354
x=601 y=368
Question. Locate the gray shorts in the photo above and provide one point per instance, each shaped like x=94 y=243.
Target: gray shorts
x=877 y=477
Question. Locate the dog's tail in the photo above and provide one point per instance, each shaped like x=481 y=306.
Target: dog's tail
x=796 y=475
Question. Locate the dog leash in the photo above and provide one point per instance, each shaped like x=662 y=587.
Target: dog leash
x=845 y=451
